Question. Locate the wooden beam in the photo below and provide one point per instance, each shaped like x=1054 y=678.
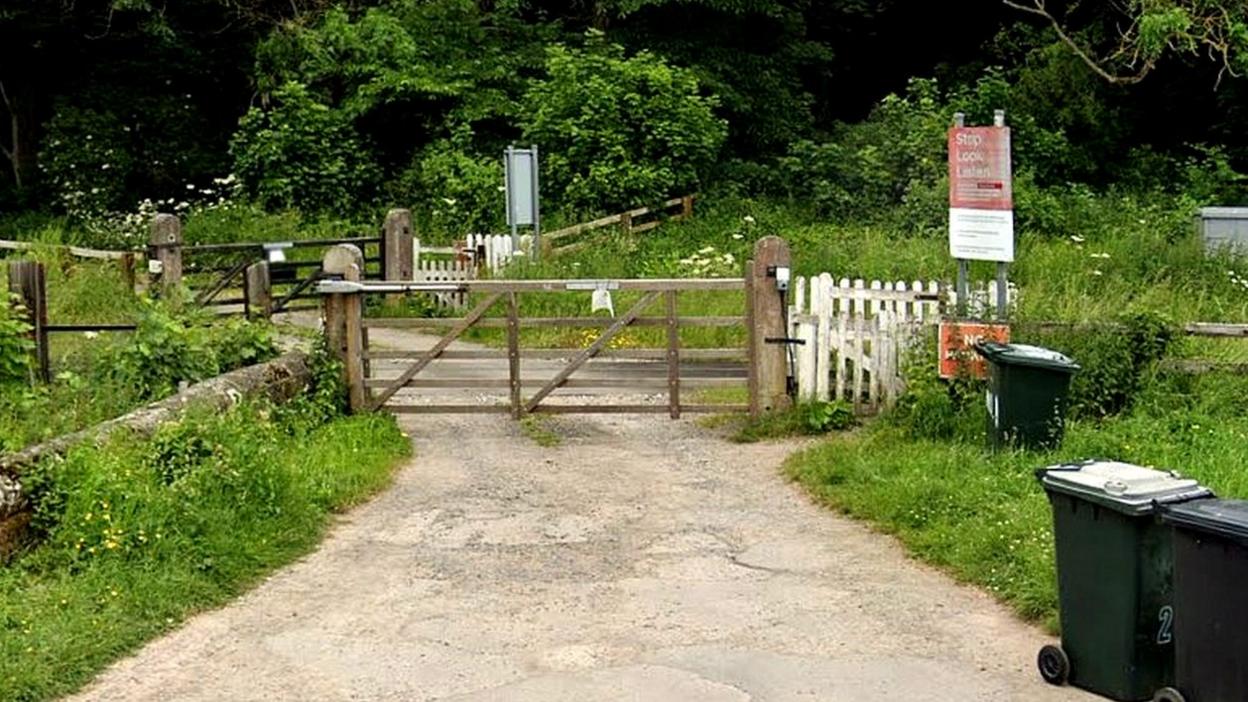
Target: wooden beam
x=592 y=351
x=673 y=356
x=513 y=355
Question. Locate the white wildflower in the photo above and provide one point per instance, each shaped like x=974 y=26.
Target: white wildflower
x=1076 y=238
x=738 y=236
x=748 y=219
x=706 y=250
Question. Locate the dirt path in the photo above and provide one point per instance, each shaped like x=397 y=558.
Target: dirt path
x=642 y=559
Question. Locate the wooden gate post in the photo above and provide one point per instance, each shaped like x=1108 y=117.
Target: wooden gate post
x=258 y=291
x=28 y=284
x=343 y=316
x=765 y=317
x=166 y=243
x=396 y=240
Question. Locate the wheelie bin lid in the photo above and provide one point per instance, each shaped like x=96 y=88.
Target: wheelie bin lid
x=1026 y=355
x=1227 y=518
x=1122 y=487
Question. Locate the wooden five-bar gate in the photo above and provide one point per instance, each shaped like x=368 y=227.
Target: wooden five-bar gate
x=667 y=369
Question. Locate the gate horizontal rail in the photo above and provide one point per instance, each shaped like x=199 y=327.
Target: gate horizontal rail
x=383 y=373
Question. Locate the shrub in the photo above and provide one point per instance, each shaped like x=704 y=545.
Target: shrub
x=85 y=160
x=616 y=131
x=300 y=153
x=1116 y=363
x=167 y=350
x=459 y=187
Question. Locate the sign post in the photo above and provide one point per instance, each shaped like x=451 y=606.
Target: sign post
x=520 y=183
x=981 y=203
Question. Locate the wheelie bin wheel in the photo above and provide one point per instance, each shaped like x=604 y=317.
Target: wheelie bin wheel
x=1169 y=694
x=1055 y=666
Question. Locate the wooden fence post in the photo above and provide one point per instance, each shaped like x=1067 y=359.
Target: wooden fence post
x=343 y=315
x=626 y=223
x=765 y=317
x=258 y=291
x=28 y=284
x=126 y=264
x=396 y=240
x=686 y=207
x=166 y=243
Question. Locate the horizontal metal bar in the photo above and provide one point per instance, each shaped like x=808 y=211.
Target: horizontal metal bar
x=504 y=286
x=686 y=355
x=534 y=322
x=89 y=327
x=259 y=245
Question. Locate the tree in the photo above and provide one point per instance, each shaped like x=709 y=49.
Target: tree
x=1149 y=30
x=617 y=130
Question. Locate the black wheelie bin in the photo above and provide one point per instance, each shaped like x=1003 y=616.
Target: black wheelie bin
x=1210 y=601
x=1114 y=566
x=1027 y=390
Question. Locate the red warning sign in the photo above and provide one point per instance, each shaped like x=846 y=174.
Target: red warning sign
x=979 y=168
x=957 y=347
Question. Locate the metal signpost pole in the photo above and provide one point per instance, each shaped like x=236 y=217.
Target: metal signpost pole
x=510 y=191
x=1003 y=267
x=964 y=266
x=537 y=207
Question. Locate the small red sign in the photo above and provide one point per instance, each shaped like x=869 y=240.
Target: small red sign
x=957 y=347
x=979 y=168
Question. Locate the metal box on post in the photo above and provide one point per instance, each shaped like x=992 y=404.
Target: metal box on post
x=1224 y=228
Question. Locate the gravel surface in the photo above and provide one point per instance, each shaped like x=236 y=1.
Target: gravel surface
x=641 y=559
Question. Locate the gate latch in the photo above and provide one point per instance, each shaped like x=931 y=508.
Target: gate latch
x=783 y=340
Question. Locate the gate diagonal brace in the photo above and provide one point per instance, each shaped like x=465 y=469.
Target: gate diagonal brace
x=593 y=350
x=783 y=340
x=461 y=327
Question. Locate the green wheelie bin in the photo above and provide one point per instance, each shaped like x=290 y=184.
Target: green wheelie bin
x=1027 y=390
x=1114 y=569
x=1210 y=573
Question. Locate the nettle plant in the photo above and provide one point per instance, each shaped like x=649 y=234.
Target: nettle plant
x=15 y=347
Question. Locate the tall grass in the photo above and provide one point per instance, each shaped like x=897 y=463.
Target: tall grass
x=140 y=535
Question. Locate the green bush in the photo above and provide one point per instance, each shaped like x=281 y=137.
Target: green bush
x=86 y=161
x=460 y=189
x=1115 y=362
x=616 y=131
x=298 y=152
x=168 y=349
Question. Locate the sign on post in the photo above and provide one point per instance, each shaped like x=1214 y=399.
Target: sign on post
x=957 y=347
x=981 y=194
x=520 y=182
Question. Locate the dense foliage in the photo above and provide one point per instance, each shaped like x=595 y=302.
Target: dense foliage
x=345 y=108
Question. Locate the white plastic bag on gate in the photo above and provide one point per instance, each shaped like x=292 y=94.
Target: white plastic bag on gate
x=601 y=300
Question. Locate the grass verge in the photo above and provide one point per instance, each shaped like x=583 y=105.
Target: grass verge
x=138 y=536
x=982 y=516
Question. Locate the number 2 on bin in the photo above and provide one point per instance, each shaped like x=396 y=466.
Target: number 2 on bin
x=1164 y=633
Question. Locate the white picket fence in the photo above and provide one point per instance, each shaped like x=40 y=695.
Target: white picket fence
x=857 y=333
x=441 y=264
x=496 y=250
